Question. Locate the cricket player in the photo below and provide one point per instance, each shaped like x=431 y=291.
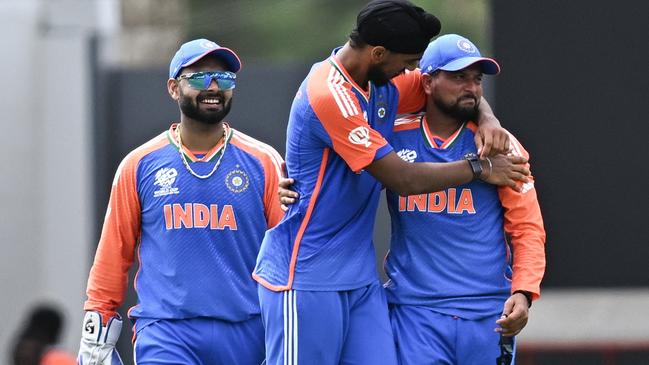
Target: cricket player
x=321 y=300
x=467 y=259
x=192 y=205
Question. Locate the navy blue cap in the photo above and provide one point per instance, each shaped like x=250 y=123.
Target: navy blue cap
x=192 y=51
x=452 y=52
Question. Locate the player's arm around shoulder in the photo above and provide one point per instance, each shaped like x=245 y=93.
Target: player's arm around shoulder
x=412 y=98
x=406 y=178
x=491 y=138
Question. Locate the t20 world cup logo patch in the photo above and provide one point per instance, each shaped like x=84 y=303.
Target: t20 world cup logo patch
x=237 y=181
x=164 y=179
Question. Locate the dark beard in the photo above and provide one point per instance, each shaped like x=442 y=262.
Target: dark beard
x=189 y=108
x=377 y=76
x=456 y=112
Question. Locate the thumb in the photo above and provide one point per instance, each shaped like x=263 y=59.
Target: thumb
x=284 y=170
x=478 y=143
x=508 y=307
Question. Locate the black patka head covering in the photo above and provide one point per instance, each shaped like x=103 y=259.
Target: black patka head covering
x=399 y=26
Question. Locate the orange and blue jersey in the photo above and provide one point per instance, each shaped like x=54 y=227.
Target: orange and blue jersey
x=452 y=250
x=336 y=128
x=196 y=240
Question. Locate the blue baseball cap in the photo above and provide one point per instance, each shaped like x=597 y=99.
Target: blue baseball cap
x=452 y=52
x=192 y=51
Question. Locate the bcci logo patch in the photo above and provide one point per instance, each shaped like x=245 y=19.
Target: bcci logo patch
x=164 y=178
x=381 y=112
x=208 y=44
x=237 y=181
x=466 y=46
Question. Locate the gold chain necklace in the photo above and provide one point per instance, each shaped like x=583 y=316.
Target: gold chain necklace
x=216 y=165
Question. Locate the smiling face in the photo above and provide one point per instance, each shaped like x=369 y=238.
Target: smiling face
x=208 y=106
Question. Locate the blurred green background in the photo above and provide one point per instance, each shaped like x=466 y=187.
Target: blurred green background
x=287 y=31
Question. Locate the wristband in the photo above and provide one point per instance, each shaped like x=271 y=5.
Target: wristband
x=527 y=295
x=476 y=167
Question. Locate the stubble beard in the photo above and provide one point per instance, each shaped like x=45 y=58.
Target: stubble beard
x=377 y=76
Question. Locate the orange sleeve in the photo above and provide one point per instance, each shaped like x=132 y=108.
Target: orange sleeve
x=273 y=208
x=524 y=224
x=412 y=98
x=340 y=113
x=271 y=162
x=115 y=252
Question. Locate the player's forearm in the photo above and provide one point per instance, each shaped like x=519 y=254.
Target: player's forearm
x=406 y=178
x=529 y=263
x=423 y=178
x=108 y=276
x=486 y=115
x=527 y=279
x=106 y=287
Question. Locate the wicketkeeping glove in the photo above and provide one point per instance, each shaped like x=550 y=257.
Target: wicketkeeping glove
x=98 y=342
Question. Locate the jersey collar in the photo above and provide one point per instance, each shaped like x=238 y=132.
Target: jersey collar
x=338 y=66
x=430 y=138
x=210 y=155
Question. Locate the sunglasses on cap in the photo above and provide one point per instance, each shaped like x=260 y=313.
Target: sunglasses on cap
x=202 y=80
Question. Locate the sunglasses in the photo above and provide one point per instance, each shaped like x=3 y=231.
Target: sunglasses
x=202 y=80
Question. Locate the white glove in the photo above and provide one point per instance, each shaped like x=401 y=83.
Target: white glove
x=98 y=342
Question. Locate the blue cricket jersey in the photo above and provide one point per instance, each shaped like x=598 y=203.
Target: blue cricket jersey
x=196 y=240
x=448 y=249
x=335 y=129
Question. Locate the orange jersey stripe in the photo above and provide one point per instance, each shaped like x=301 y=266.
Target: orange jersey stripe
x=300 y=233
x=341 y=115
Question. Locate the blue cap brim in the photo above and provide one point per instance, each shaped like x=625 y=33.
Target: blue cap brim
x=489 y=66
x=232 y=61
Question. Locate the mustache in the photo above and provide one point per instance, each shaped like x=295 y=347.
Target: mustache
x=468 y=97
x=209 y=95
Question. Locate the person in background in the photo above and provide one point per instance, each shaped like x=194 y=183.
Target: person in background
x=36 y=343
